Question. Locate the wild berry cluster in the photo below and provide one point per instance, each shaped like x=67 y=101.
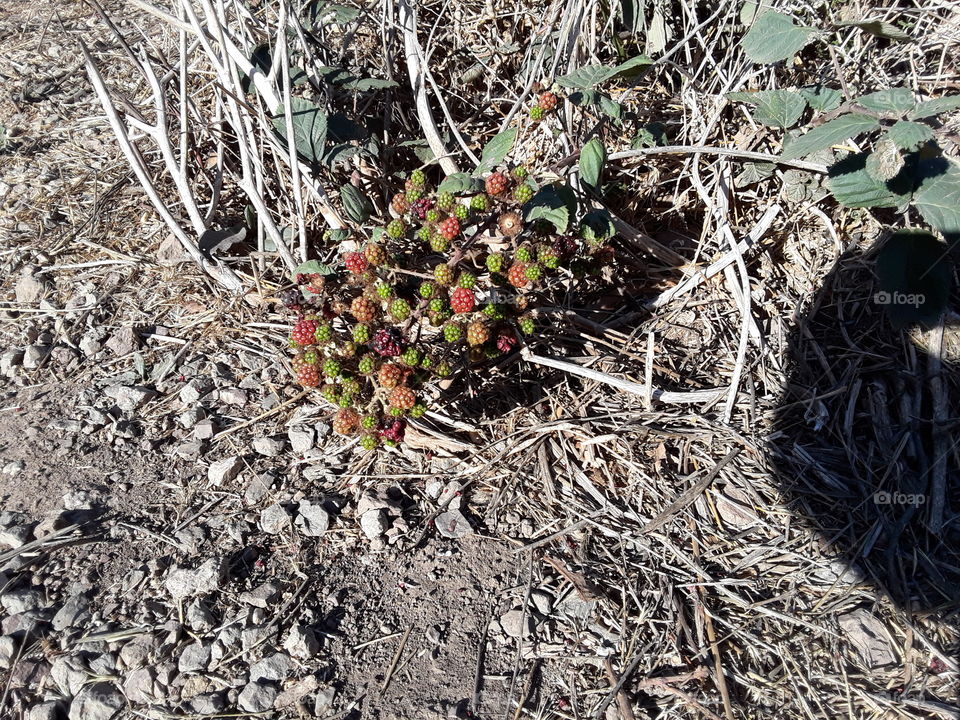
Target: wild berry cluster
x=448 y=283
x=546 y=104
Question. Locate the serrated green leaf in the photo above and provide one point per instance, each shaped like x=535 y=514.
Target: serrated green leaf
x=897 y=100
x=592 y=157
x=909 y=135
x=355 y=203
x=776 y=108
x=497 y=149
x=938 y=196
x=583 y=98
x=830 y=133
x=336 y=236
x=460 y=183
x=822 y=99
x=549 y=204
x=312 y=267
x=309 y=128
x=880 y=28
x=774 y=37
x=852 y=185
x=752 y=173
x=914 y=275
x=929 y=108
x=584 y=78
x=885 y=162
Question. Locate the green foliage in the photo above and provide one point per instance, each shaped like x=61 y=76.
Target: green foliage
x=496 y=150
x=312 y=267
x=592 y=157
x=879 y=28
x=553 y=203
x=355 y=203
x=938 y=195
x=777 y=108
x=309 y=128
x=589 y=76
x=774 y=37
x=830 y=133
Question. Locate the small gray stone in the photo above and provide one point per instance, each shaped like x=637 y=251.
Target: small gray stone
x=138 y=686
x=294 y=693
x=233 y=396
x=29 y=289
x=199 y=616
x=9 y=360
x=123 y=342
x=34 y=355
x=301 y=642
x=195 y=657
x=453 y=524
x=542 y=601
x=99 y=701
x=189 y=450
x=208 y=703
x=185 y=582
x=205 y=429
x=16 y=535
x=273 y=667
x=256 y=698
x=515 y=624
x=262 y=595
x=190 y=417
x=8 y=651
x=226 y=470
x=374 y=523
x=69 y=673
x=268 y=446
x=312 y=519
x=869 y=636
x=323 y=702
x=49 y=710
x=75 y=609
x=130 y=398
x=258 y=488
x=90 y=344
x=21 y=601
x=301 y=438
x=274 y=519
x=137 y=652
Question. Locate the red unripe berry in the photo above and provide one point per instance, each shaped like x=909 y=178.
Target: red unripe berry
x=548 y=101
x=356 y=262
x=402 y=397
x=496 y=183
x=462 y=300
x=363 y=310
x=449 y=228
x=517 y=275
x=303 y=331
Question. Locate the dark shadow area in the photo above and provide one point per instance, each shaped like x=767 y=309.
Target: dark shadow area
x=867 y=446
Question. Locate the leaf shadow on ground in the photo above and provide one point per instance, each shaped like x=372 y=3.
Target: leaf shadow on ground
x=859 y=447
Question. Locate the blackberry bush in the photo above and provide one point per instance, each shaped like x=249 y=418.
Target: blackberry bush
x=383 y=325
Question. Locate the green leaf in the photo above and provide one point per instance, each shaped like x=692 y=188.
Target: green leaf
x=497 y=149
x=592 y=157
x=610 y=107
x=585 y=78
x=309 y=128
x=830 y=133
x=852 y=185
x=776 y=108
x=460 y=183
x=822 y=99
x=632 y=67
x=909 y=135
x=774 y=37
x=938 y=197
x=370 y=84
x=583 y=98
x=914 y=275
x=597 y=225
x=355 y=203
x=321 y=12
x=650 y=135
x=880 y=28
x=929 y=108
x=549 y=204
x=312 y=267
x=897 y=100
x=752 y=173
x=343 y=129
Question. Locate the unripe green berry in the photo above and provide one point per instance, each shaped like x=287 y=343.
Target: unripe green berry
x=445 y=200
x=418 y=410
x=395 y=412
x=494 y=312
x=414 y=195
x=467 y=280
x=323 y=333
x=418 y=178
x=522 y=193
x=427 y=289
x=433 y=216
x=479 y=202
x=400 y=309
x=350 y=386
x=524 y=254
x=495 y=263
x=461 y=212
x=534 y=272
x=443 y=275
x=536 y=113
x=383 y=290
x=310 y=356
x=452 y=332
x=344 y=400
x=331 y=368
x=369 y=442
x=368 y=422
x=410 y=356
x=366 y=365
x=424 y=234
x=426 y=362
x=438 y=304
x=396 y=228
x=443 y=369
x=438 y=243
x=329 y=393
x=526 y=325
x=520 y=173
x=361 y=334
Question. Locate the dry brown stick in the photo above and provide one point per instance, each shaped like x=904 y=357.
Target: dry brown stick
x=616 y=688
x=719 y=677
x=689 y=496
x=396 y=659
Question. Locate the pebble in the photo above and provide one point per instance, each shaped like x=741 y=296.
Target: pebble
x=130 y=398
x=262 y=595
x=200 y=617
x=49 y=710
x=269 y=446
x=29 y=289
x=69 y=673
x=8 y=651
x=258 y=488
x=189 y=418
x=301 y=438
x=273 y=667
x=301 y=642
x=205 y=429
x=16 y=535
x=195 y=657
x=74 y=610
x=9 y=361
x=256 y=698
x=34 y=355
x=452 y=524
x=225 y=470
x=274 y=519
x=123 y=342
x=99 y=701
x=515 y=625
x=184 y=582
x=21 y=601
x=374 y=523
x=138 y=686
x=233 y=396
x=312 y=519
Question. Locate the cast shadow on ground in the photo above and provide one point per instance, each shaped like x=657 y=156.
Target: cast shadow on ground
x=860 y=453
